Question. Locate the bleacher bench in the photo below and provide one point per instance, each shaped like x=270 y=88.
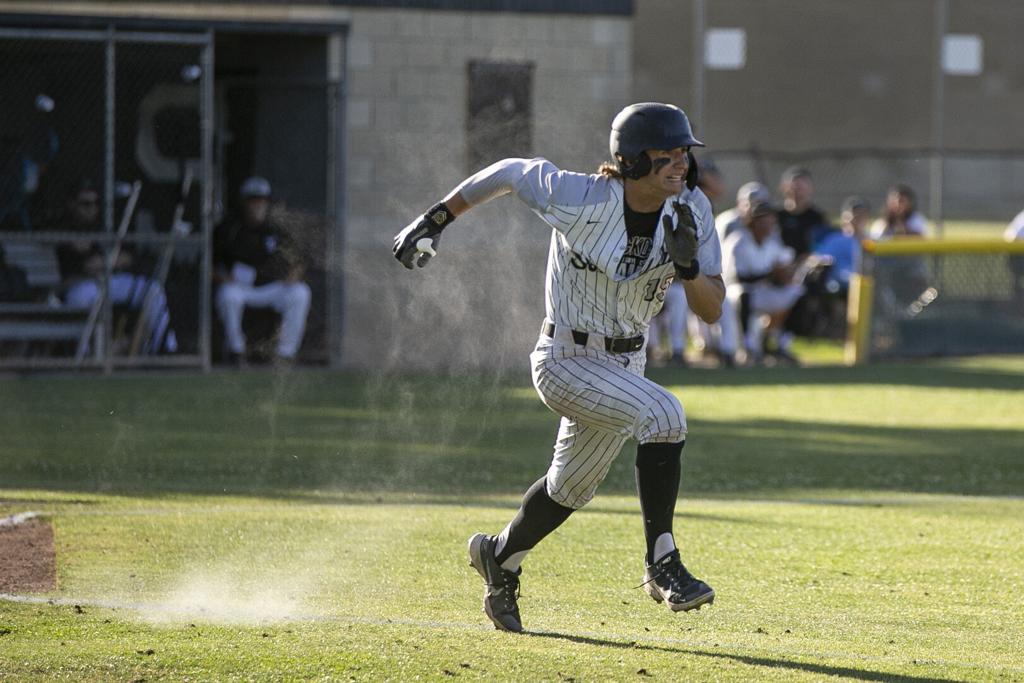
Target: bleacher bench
x=45 y=321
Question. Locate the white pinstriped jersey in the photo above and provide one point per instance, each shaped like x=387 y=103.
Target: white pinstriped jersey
x=599 y=279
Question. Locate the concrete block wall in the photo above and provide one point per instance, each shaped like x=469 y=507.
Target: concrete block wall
x=481 y=302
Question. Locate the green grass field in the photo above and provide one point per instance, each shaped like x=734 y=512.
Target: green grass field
x=862 y=524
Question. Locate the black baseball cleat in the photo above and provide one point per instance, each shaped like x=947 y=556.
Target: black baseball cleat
x=501 y=587
x=668 y=581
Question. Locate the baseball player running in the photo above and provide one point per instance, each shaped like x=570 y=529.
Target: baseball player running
x=619 y=238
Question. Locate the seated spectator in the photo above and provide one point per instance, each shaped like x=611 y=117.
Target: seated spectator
x=836 y=256
x=13 y=281
x=82 y=266
x=710 y=180
x=801 y=223
x=900 y=217
x=721 y=338
x=256 y=264
x=760 y=282
x=736 y=218
x=843 y=246
x=901 y=282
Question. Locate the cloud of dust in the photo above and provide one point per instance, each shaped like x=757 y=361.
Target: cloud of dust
x=221 y=598
x=475 y=311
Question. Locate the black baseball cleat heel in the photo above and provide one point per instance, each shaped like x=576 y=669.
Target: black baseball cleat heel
x=668 y=581
x=501 y=587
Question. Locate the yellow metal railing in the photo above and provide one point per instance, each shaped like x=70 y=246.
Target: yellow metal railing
x=862 y=285
x=916 y=245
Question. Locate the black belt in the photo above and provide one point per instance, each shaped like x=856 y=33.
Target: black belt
x=611 y=344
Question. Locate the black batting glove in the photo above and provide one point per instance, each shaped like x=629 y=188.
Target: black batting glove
x=418 y=242
x=681 y=240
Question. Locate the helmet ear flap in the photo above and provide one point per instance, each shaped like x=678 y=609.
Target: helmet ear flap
x=634 y=168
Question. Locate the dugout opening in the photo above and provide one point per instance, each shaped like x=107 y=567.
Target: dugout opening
x=149 y=93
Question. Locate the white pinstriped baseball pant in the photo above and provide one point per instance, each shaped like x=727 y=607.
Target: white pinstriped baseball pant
x=603 y=399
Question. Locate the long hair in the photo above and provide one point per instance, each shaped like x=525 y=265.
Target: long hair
x=907 y=193
x=610 y=169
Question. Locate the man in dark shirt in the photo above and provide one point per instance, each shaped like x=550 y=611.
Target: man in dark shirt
x=256 y=264
x=802 y=226
x=800 y=222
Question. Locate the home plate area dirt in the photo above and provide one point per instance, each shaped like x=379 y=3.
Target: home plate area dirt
x=27 y=557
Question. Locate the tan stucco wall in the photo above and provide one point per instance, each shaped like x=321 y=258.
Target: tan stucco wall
x=834 y=74
x=481 y=302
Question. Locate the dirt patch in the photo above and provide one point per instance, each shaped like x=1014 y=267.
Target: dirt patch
x=28 y=561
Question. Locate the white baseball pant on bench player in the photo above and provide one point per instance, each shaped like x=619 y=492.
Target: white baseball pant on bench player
x=603 y=399
x=290 y=299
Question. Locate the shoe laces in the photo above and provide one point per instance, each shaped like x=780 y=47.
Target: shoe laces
x=509 y=583
x=671 y=567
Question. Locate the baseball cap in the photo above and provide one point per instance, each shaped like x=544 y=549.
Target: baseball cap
x=794 y=172
x=854 y=203
x=762 y=208
x=255 y=187
x=753 y=192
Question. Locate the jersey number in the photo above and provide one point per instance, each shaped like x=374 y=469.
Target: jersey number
x=656 y=286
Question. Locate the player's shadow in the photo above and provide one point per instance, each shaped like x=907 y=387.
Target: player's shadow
x=750 y=660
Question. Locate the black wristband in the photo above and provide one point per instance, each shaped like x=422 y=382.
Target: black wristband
x=689 y=273
x=440 y=216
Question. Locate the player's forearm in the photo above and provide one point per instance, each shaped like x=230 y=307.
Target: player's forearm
x=456 y=203
x=705 y=294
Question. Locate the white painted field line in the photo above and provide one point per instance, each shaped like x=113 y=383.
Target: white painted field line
x=19 y=518
x=614 y=639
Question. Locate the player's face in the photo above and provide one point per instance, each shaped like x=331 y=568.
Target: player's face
x=899 y=203
x=763 y=226
x=255 y=210
x=857 y=219
x=668 y=170
x=86 y=207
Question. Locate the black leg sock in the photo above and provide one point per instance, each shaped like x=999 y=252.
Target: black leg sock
x=537 y=517
x=657 y=482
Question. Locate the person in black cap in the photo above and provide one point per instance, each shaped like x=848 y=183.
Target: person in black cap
x=256 y=264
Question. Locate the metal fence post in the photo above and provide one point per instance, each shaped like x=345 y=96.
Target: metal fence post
x=697 y=107
x=937 y=170
x=104 y=330
x=337 y=55
x=206 y=210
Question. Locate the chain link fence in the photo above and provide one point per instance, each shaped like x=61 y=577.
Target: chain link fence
x=105 y=163
x=869 y=173
x=943 y=298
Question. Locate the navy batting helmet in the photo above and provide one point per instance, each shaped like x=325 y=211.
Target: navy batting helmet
x=648 y=125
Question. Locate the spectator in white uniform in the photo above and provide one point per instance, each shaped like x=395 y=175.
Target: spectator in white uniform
x=731 y=220
x=256 y=264
x=759 y=274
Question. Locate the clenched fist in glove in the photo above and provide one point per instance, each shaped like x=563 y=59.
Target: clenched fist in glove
x=681 y=241
x=417 y=243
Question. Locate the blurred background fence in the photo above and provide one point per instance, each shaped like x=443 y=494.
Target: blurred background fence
x=86 y=114
x=976 y=184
